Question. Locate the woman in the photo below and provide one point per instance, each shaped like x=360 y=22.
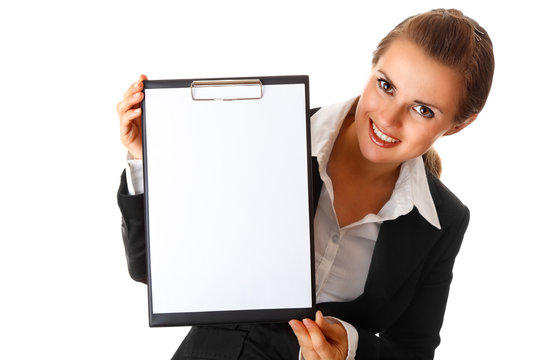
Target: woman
x=386 y=230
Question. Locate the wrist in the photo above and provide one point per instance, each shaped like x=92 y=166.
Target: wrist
x=131 y=156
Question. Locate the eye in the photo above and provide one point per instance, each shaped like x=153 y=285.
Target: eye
x=424 y=111
x=385 y=86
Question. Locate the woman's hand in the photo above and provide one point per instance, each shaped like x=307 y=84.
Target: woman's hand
x=320 y=339
x=129 y=112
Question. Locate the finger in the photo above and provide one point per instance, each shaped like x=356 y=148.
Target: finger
x=319 y=318
x=318 y=340
x=129 y=102
x=130 y=126
x=304 y=339
x=324 y=325
x=133 y=88
x=332 y=331
x=136 y=86
x=133 y=93
x=129 y=116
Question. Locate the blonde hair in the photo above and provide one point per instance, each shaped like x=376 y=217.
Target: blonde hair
x=433 y=162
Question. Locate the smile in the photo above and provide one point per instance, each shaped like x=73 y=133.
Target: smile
x=380 y=138
x=381 y=135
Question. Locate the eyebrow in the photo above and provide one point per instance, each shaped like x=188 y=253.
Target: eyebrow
x=416 y=101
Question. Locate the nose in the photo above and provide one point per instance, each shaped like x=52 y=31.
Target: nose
x=391 y=115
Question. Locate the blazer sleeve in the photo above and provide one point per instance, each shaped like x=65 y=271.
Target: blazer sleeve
x=415 y=334
x=133 y=230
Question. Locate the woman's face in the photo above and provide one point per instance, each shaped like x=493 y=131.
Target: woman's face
x=410 y=101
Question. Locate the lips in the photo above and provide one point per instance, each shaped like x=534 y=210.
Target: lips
x=381 y=139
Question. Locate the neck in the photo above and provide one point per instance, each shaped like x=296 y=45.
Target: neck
x=347 y=152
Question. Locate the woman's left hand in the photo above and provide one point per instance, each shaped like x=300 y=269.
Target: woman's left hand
x=320 y=339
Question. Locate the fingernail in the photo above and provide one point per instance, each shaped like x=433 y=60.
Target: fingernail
x=136 y=95
x=136 y=85
x=306 y=322
x=137 y=110
x=293 y=325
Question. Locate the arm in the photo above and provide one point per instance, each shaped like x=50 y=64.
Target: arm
x=132 y=206
x=133 y=230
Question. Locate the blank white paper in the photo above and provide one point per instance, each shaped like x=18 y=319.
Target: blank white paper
x=228 y=203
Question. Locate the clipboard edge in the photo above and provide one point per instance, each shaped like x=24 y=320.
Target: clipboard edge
x=229 y=317
x=241 y=316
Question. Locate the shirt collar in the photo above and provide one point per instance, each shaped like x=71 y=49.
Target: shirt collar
x=411 y=189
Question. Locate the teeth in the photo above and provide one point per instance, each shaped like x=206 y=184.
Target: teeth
x=382 y=136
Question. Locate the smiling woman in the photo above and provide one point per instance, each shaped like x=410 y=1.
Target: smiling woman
x=402 y=110
x=386 y=230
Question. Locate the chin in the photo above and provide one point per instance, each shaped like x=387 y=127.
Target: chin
x=378 y=155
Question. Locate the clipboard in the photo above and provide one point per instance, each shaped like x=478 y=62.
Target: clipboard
x=227 y=174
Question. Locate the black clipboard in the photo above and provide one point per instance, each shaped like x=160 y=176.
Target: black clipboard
x=229 y=211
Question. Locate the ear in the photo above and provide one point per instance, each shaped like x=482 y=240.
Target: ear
x=463 y=125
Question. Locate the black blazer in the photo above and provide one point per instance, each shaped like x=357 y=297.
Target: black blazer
x=398 y=316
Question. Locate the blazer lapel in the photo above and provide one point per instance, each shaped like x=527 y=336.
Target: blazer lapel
x=401 y=247
x=316 y=182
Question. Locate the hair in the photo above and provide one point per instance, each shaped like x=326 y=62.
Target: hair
x=459 y=42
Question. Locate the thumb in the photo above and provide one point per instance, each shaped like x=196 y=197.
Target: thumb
x=142 y=77
x=329 y=328
x=321 y=321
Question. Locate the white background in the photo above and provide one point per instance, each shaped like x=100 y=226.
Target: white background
x=65 y=65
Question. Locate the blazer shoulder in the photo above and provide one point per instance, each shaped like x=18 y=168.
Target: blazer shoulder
x=449 y=206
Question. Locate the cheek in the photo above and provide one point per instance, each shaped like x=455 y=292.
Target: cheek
x=423 y=136
x=369 y=101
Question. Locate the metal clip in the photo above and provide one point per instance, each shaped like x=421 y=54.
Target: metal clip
x=207 y=90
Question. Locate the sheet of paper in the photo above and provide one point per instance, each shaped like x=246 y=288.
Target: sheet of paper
x=228 y=201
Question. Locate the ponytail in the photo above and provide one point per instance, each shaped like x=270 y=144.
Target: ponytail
x=432 y=162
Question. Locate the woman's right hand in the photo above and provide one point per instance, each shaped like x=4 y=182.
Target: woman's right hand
x=129 y=112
